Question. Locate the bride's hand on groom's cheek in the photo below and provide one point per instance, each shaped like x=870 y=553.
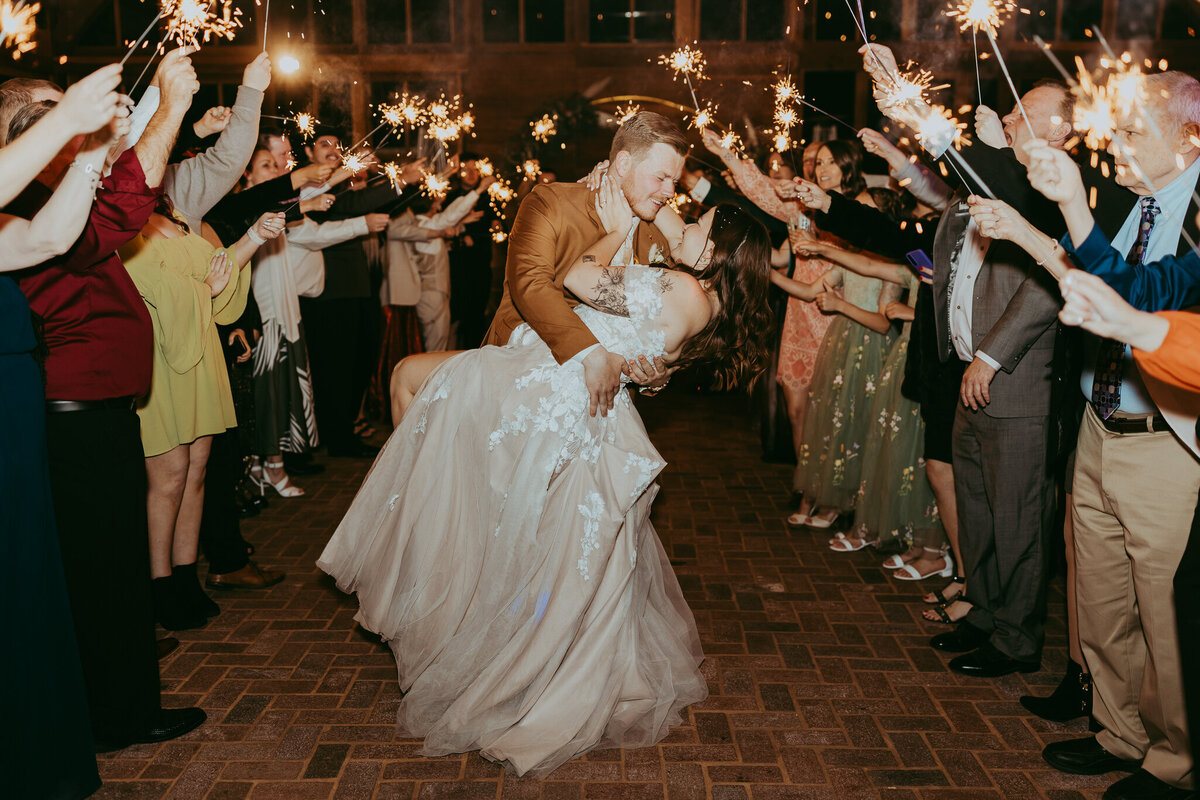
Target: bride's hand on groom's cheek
x=592 y=179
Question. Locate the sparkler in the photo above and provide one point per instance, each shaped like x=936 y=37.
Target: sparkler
x=819 y=110
x=435 y=185
x=531 y=169
x=142 y=38
x=354 y=163
x=1004 y=68
x=266 y=19
x=703 y=117
x=190 y=21
x=785 y=91
x=623 y=115
x=981 y=15
x=392 y=171
x=500 y=194
x=686 y=61
x=306 y=124
x=545 y=128
x=18 y=26
x=486 y=168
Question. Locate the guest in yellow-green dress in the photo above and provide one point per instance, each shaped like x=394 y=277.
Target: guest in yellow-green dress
x=189 y=286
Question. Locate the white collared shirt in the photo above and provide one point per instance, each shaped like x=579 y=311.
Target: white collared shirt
x=962 y=295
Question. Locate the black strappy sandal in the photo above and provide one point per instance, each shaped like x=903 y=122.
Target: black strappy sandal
x=941 y=598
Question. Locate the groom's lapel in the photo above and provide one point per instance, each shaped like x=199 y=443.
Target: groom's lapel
x=648 y=235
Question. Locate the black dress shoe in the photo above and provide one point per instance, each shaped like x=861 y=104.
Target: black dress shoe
x=171 y=724
x=988 y=662
x=963 y=638
x=1141 y=785
x=166 y=646
x=1072 y=698
x=1085 y=757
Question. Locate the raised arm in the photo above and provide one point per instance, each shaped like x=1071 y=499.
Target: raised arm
x=177 y=83
x=88 y=105
x=758 y=188
x=198 y=184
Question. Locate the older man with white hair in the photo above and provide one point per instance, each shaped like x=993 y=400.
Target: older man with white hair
x=1135 y=484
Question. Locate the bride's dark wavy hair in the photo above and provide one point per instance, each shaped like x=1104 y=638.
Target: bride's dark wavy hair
x=734 y=344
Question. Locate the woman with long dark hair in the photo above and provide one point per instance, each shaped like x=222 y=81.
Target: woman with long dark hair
x=502 y=544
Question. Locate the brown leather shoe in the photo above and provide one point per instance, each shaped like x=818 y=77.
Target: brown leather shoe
x=251 y=576
x=166 y=646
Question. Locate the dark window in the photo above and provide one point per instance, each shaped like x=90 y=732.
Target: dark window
x=834 y=22
x=1038 y=22
x=333 y=21
x=609 y=21
x=882 y=19
x=430 y=21
x=544 y=21
x=718 y=22
x=654 y=20
x=932 y=22
x=387 y=22
x=101 y=29
x=1136 y=19
x=765 y=20
x=833 y=93
x=501 y=20
x=1181 y=19
x=1078 y=16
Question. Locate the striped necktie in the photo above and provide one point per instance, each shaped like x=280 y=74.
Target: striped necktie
x=1110 y=361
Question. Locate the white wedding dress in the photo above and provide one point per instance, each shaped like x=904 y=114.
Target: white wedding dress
x=502 y=546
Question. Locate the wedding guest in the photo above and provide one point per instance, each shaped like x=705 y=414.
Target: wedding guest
x=99 y=357
x=471 y=254
x=804 y=325
x=16 y=93
x=339 y=318
x=435 y=308
x=1125 y=451
x=47 y=747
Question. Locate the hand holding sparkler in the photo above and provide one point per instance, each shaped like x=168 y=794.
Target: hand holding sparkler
x=312 y=175
x=876 y=143
x=321 y=202
x=716 y=145
x=91 y=103
x=268 y=226
x=879 y=62
x=1053 y=173
x=377 y=222
x=809 y=194
x=258 y=73
x=988 y=127
x=177 y=79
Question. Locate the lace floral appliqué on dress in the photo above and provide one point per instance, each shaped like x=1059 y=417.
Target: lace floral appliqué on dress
x=502 y=546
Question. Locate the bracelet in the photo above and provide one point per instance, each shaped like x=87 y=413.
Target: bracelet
x=90 y=171
x=254 y=237
x=1053 y=253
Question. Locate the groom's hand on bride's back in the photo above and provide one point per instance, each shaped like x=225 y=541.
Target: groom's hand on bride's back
x=602 y=372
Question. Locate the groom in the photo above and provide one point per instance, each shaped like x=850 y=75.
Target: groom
x=558 y=222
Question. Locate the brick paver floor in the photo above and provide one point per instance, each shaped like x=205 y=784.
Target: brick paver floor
x=822 y=684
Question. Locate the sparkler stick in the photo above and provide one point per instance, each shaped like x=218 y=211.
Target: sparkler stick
x=962 y=162
x=1004 y=68
x=978 y=82
x=266 y=19
x=142 y=38
x=826 y=113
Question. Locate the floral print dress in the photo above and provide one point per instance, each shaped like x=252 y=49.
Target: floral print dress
x=845 y=381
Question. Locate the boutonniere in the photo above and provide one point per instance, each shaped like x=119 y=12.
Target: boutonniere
x=656 y=254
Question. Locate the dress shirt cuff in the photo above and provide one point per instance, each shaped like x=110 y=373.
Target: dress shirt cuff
x=700 y=190
x=309 y=192
x=584 y=353
x=985 y=358
x=1094 y=249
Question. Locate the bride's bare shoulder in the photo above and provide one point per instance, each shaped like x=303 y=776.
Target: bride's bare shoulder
x=684 y=299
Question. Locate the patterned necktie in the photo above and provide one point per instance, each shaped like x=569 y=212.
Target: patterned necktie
x=1110 y=361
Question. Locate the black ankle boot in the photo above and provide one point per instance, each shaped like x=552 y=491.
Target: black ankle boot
x=188 y=586
x=171 y=610
x=1072 y=698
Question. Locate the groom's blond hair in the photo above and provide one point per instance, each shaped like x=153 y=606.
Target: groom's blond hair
x=644 y=130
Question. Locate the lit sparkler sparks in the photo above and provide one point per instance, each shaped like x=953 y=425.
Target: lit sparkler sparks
x=193 y=21
x=912 y=86
x=981 y=16
x=731 y=141
x=353 y=163
x=435 y=185
x=392 y=170
x=783 y=142
x=1103 y=100
x=786 y=118
x=500 y=194
x=685 y=62
x=545 y=128
x=623 y=115
x=704 y=117
x=485 y=167
x=18 y=26
x=785 y=91
x=531 y=168
x=445 y=119
x=306 y=124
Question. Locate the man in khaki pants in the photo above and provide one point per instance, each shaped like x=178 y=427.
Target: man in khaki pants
x=1135 y=486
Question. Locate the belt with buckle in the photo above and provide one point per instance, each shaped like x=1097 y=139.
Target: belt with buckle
x=1151 y=423
x=111 y=404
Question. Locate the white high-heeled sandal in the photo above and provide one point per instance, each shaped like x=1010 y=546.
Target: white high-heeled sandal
x=284 y=487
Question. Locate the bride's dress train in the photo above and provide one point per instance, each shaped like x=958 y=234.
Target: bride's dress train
x=502 y=546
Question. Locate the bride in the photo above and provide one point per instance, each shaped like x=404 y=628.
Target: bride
x=501 y=544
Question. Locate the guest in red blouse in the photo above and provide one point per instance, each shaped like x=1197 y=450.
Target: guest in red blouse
x=100 y=341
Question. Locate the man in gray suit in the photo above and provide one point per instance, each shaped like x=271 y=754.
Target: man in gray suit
x=996 y=310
